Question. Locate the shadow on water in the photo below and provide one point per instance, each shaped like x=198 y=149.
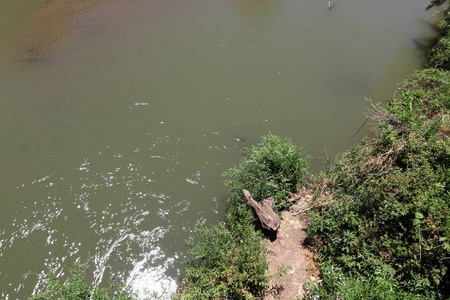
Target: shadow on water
x=425 y=43
x=407 y=58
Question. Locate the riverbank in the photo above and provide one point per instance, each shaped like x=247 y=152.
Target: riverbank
x=384 y=232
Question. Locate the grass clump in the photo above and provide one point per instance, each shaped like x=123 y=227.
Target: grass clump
x=341 y=285
x=228 y=261
x=76 y=288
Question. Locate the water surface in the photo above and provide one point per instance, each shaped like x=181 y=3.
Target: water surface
x=117 y=117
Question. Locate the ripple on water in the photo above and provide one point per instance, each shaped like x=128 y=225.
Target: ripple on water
x=105 y=206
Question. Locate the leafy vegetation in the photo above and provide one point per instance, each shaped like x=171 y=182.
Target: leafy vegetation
x=225 y=264
x=386 y=226
x=228 y=261
x=340 y=285
x=440 y=54
x=76 y=288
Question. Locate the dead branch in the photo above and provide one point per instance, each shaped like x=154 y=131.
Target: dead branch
x=264 y=210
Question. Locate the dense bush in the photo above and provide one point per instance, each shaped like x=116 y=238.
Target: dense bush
x=75 y=288
x=225 y=264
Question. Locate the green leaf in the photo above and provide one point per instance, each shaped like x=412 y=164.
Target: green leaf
x=419 y=215
x=447 y=246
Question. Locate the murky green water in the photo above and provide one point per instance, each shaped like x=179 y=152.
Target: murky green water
x=117 y=117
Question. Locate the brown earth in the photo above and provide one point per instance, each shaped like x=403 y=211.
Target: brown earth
x=55 y=23
x=293 y=262
x=47 y=28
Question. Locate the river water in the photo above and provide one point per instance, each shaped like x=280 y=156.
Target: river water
x=117 y=117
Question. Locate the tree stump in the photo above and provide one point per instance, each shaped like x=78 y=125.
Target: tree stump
x=264 y=210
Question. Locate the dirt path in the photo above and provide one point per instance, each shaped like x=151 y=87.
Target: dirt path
x=288 y=253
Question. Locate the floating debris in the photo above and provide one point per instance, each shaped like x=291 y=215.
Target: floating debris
x=331 y=3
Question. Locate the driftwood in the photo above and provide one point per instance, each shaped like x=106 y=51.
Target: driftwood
x=264 y=209
x=331 y=3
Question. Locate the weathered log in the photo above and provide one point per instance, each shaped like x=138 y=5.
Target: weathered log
x=264 y=210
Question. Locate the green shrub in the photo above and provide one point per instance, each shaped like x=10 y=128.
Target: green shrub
x=440 y=56
x=75 y=288
x=436 y=87
x=225 y=264
x=274 y=168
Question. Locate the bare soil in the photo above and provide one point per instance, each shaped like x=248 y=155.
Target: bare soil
x=287 y=253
